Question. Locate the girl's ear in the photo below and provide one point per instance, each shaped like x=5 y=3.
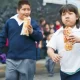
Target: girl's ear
x=77 y=17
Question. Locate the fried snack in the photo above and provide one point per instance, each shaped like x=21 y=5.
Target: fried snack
x=68 y=45
x=67 y=31
x=25 y=25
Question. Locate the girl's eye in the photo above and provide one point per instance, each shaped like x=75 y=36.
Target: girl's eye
x=63 y=14
x=70 y=13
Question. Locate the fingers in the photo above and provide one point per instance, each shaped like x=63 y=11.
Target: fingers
x=72 y=39
x=56 y=58
x=30 y=29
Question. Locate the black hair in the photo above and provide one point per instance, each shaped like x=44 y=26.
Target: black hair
x=41 y=20
x=22 y=2
x=47 y=34
x=71 y=8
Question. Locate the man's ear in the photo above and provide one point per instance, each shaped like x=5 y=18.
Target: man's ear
x=17 y=11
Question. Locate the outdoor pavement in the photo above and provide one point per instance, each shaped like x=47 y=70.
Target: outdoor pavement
x=44 y=77
x=41 y=73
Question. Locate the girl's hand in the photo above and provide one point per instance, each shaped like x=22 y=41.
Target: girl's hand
x=56 y=58
x=74 y=39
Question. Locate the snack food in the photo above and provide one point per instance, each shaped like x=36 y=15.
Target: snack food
x=68 y=45
x=26 y=23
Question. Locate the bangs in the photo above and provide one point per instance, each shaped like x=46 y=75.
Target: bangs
x=66 y=9
x=69 y=8
x=22 y=2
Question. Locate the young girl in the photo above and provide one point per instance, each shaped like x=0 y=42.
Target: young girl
x=69 y=59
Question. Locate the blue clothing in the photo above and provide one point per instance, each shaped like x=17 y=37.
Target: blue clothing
x=65 y=76
x=20 y=46
x=50 y=65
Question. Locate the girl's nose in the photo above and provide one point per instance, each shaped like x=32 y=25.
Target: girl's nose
x=67 y=15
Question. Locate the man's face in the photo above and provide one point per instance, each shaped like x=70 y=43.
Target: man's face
x=69 y=18
x=24 y=11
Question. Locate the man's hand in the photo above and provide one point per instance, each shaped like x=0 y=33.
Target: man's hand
x=30 y=29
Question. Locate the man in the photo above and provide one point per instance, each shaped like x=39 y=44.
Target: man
x=21 y=56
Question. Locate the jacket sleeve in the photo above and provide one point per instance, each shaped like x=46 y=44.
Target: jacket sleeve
x=3 y=36
x=37 y=34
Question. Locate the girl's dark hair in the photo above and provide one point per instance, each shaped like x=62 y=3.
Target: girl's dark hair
x=71 y=8
x=22 y=2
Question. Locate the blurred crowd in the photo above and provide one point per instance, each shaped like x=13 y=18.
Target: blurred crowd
x=46 y=28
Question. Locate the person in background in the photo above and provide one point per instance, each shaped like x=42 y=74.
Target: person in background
x=21 y=55
x=58 y=25
x=52 y=31
x=42 y=23
x=69 y=59
x=52 y=27
x=49 y=62
x=46 y=29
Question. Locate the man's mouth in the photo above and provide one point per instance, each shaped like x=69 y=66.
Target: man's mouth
x=67 y=20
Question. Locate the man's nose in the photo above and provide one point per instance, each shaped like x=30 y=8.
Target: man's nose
x=26 y=11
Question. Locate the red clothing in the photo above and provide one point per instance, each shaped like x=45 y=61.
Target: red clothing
x=57 y=27
x=6 y=42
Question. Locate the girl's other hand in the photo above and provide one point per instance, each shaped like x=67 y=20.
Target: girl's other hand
x=56 y=58
x=74 y=39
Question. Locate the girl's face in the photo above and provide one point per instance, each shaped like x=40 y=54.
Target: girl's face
x=47 y=28
x=44 y=22
x=69 y=18
x=51 y=31
x=57 y=23
x=24 y=11
x=51 y=26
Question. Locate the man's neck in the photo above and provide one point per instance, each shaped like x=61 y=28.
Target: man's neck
x=20 y=18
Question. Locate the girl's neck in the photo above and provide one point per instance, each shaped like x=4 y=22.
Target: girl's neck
x=71 y=26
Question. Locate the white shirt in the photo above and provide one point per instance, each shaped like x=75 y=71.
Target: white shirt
x=70 y=61
x=16 y=18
